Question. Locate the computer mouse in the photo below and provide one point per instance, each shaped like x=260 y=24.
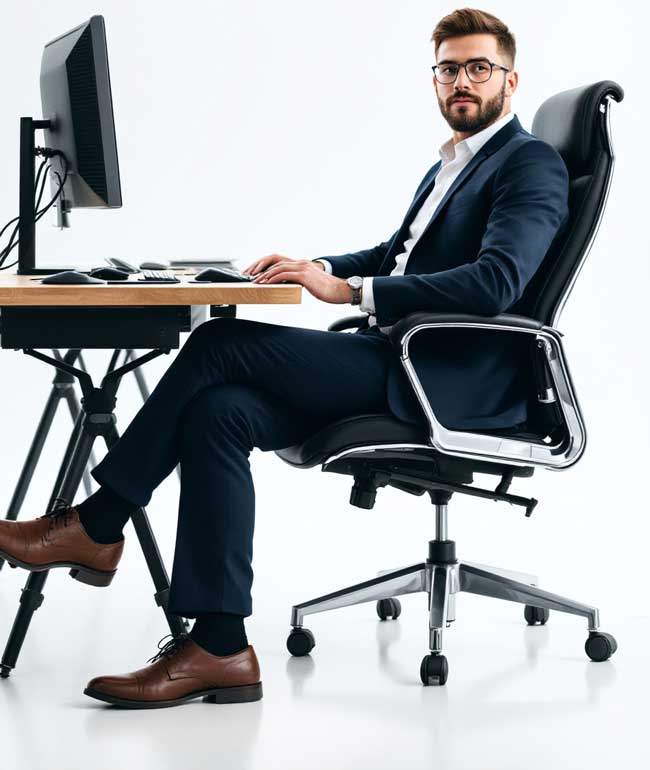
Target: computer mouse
x=109 y=274
x=218 y=275
x=70 y=276
x=156 y=264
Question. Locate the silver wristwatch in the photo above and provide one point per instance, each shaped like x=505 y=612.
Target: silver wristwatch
x=355 y=282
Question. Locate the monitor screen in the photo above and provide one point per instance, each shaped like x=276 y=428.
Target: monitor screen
x=76 y=97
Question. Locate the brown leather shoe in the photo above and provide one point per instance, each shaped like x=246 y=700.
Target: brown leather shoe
x=181 y=671
x=58 y=539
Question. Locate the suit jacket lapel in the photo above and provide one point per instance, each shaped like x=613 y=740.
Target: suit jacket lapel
x=424 y=194
x=388 y=263
x=491 y=146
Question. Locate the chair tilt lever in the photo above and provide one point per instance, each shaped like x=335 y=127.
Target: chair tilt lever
x=364 y=490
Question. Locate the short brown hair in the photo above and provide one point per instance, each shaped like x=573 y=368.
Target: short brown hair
x=471 y=21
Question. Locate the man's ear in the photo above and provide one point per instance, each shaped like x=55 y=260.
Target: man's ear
x=512 y=79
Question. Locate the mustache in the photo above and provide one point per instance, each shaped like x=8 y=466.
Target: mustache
x=457 y=98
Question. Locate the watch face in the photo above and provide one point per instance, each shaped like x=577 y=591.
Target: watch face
x=356 y=282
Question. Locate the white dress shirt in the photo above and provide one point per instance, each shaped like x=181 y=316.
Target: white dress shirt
x=454 y=158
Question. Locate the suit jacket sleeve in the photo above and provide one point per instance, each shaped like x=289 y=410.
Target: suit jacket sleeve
x=530 y=205
x=361 y=263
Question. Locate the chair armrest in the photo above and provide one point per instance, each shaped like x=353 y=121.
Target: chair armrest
x=412 y=321
x=497 y=447
x=348 y=322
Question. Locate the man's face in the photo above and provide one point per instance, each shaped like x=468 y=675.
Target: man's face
x=488 y=101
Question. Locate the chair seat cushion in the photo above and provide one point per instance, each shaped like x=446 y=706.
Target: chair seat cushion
x=370 y=429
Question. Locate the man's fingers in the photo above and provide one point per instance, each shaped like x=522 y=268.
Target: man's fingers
x=255 y=267
x=274 y=268
x=279 y=276
x=279 y=267
x=264 y=262
x=275 y=260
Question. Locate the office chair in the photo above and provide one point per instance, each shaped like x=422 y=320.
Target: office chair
x=379 y=450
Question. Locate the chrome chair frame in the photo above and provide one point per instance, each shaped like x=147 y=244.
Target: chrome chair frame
x=515 y=451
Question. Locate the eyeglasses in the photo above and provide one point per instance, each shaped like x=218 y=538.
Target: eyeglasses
x=477 y=70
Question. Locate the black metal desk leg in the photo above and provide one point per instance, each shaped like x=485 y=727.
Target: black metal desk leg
x=73 y=406
x=139 y=377
x=32 y=596
x=75 y=410
x=33 y=455
x=62 y=387
x=97 y=419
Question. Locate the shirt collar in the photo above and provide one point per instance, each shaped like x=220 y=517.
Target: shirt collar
x=472 y=144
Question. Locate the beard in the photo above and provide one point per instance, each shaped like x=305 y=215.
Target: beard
x=468 y=119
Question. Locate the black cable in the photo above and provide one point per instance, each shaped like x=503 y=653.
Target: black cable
x=11 y=245
x=11 y=221
x=8 y=248
x=39 y=213
x=38 y=175
x=40 y=194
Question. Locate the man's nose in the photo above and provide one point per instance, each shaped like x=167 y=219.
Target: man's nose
x=462 y=81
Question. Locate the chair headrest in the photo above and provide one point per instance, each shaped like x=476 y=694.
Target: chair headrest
x=568 y=122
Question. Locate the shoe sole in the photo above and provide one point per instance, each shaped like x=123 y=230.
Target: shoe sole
x=241 y=694
x=88 y=575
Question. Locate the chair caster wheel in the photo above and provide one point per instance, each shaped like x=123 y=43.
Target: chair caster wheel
x=434 y=670
x=387 y=608
x=300 y=642
x=600 y=646
x=536 y=615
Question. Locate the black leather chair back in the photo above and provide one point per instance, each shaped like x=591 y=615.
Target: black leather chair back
x=575 y=123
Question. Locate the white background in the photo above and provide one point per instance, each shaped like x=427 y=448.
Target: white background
x=246 y=128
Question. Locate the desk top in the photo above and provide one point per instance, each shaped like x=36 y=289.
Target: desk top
x=21 y=290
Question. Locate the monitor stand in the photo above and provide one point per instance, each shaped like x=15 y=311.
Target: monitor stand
x=27 y=202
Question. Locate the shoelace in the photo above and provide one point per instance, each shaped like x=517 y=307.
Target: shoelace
x=175 y=644
x=61 y=511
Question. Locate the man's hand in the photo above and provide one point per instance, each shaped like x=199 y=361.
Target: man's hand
x=311 y=275
x=265 y=262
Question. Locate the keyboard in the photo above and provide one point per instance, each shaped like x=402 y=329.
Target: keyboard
x=158 y=276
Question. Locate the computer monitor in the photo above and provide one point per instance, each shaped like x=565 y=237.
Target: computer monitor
x=76 y=99
x=78 y=122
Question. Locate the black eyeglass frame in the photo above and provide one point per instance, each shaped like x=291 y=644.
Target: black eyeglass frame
x=492 y=64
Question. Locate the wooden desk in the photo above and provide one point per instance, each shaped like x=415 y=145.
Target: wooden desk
x=129 y=314
x=21 y=290
x=123 y=317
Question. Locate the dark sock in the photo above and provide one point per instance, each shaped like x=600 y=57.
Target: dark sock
x=104 y=515
x=220 y=633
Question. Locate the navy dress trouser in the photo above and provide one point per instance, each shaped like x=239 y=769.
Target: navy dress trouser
x=235 y=385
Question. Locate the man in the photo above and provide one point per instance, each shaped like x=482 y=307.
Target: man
x=479 y=226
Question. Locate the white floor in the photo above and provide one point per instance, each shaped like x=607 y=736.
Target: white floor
x=516 y=697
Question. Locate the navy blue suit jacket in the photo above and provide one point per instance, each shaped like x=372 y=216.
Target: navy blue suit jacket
x=480 y=248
